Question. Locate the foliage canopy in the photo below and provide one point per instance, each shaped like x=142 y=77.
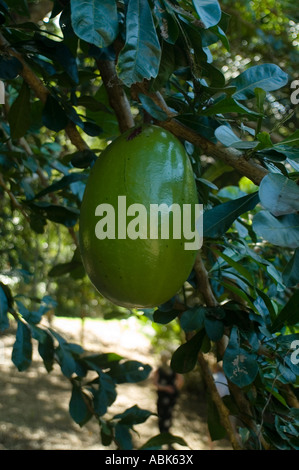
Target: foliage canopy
x=221 y=79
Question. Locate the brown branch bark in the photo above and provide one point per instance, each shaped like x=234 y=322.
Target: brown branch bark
x=14 y=201
x=117 y=98
x=244 y=406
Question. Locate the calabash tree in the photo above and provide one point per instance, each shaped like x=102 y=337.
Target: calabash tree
x=76 y=82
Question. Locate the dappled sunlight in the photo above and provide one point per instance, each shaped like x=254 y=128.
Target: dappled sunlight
x=34 y=404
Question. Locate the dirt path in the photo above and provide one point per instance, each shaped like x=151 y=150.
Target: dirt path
x=34 y=404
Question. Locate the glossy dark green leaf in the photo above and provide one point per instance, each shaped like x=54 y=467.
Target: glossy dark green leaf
x=78 y=407
x=164 y=317
x=280 y=231
x=208 y=11
x=64 y=182
x=287 y=151
x=95 y=21
x=218 y=220
x=268 y=77
x=82 y=158
x=59 y=53
x=168 y=24
x=192 y=319
x=185 y=357
x=67 y=216
x=46 y=351
x=140 y=57
x=133 y=416
x=129 y=371
x=66 y=354
x=53 y=116
x=214 y=328
x=123 y=437
x=10 y=67
x=22 y=348
x=19 y=114
x=239 y=365
x=105 y=395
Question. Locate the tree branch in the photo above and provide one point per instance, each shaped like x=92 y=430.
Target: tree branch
x=117 y=97
x=41 y=92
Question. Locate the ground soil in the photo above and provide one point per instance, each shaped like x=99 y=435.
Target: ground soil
x=34 y=404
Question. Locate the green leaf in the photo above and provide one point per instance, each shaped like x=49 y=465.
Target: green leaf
x=4 y=322
x=204 y=125
x=290 y=273
x=280 y=231
x=53 y=116
x=216 y=430
x=185 y=357
x=19 y=114
x=288 y=315
x=239 y=365
x=228 y=105
x=168 y=25
x=162 y=439
x=193 y=319
x=279 y=194
x=82 y=158
x=236 y=265
x=214 y=328
x=208 y=11
x=66 y=354
x=78 y=408
x=268 y=77
x=105 y=395
x=129 y=371
x=163 y=318
x=218 y=220
x=10 y=67
x=123 y=437
x=46 y=348
x=292 y=140
x=226 y=135
x=22 y=348
x=95 y=21
x=67 y=216
x=59 y=53
x=64 y=182
x=140 y=57
x=153 y=110
x=133 y=416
